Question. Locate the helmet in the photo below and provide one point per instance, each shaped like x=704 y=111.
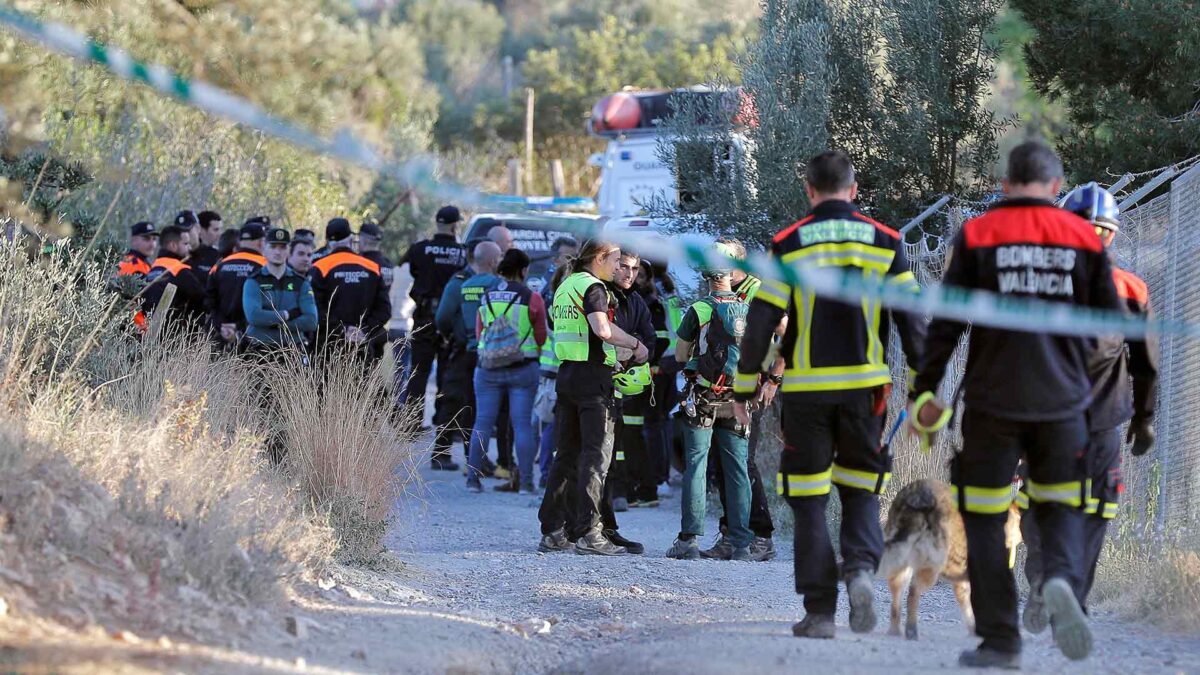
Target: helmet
x=724 y=269
x=633 y=381
x=1093 y=203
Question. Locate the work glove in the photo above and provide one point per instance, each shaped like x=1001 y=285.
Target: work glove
x=926 y=429
x=1141 y=435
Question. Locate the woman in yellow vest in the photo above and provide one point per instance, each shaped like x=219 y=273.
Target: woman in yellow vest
x=586 y=341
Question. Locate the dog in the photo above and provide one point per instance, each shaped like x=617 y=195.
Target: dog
x=924 y=539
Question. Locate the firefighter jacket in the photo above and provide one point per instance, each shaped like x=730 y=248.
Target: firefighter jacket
x=349 y=291
x=266 y=301
x=633 y=316
x=1028 y=248
x=658 y=319
x=168 y=268
x=1115 y=358
x=830 y=347
x=432 y=263
x=224 y=287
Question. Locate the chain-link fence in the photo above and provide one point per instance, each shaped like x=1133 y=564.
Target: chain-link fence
x=1160 y=242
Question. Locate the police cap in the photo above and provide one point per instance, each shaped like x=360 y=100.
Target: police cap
x=186 y=220
x=252 y=230
x=278 y=235
x=143 y=228
x=370 y=229
x=337 y=229
x=448 y=215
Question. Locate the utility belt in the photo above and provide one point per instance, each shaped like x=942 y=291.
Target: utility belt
x=703 y=407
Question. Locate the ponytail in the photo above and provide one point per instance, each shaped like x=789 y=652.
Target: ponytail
x=591 y=249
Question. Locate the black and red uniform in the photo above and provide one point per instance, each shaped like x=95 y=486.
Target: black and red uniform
x=188 y=303
x=224 y=288
x=349 y=290
x=1026 y=395
x=1124 y=373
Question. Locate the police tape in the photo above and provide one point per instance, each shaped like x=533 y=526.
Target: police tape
x=954 y=303
x=946 y=302
x=414 y=173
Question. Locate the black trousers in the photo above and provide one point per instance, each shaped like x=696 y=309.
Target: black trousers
x=1104 y=470
x=575 y=491
x=983 y=472
x=425 y=346
x=504 y=438
x=658 y=427
x=828 y=443
x=634 y=474
x=760 y=514
x=455 y=413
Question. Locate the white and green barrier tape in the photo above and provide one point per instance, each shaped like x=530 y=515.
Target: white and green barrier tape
x=947 y=302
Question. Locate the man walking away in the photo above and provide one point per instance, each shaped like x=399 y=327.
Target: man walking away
x=351 y=300
x=511 y=329
x=1026 y=395
x=226 y=279
x=586 y=341
x=1115 y=400
x=431 y=262
x=187 y=307
x=455 y=413
x=708 y=342
x=835 y=389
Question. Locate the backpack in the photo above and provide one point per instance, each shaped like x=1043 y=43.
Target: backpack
x=721 y=339
x=502 y=341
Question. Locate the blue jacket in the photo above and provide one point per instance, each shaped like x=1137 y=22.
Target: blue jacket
x=265 y=299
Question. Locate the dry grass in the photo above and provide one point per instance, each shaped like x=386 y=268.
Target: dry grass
x=135 y=486
x=1155 y=583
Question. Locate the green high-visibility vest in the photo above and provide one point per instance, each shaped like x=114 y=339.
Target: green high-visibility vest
x=571 y=330
x=674 y=318
x=549 y=360
x=509 y=299
x=748 y=288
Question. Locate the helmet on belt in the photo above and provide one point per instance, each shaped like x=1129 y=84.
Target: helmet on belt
x=1093 y=203
x=724 y=268
x=633 y=381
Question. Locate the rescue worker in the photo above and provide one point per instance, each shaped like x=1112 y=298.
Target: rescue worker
x=225 y=281
x=135 y=265
x=370 y=237
x=186 y=221
x=1113 y=363
x=547 y=398
x=643 y=491
x=505 y=467
x=278 y=301
x=208 y=234
x=708 y=343
x=431 y=262
x=1026 y=395
x=631 y=389
x=762 y=547
x=455 y=413
x=352 y=302
x=586 y=341
x=227 y=244
x=563 y=248
x=187 y=306
x=510 y=327
x=835 y=387
x=659 y=426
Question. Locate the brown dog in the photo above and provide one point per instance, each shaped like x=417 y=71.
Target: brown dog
x=924 y=539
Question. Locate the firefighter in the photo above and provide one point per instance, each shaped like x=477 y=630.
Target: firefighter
x=762 y=548
x=659 y=426
x=631 y=390
x=225 y=281
x=586 y=341
x=835 y=385
x=135 y=265
x=170 y=268
x=1115 y=400
x=204 y=251
x=1026 y=395
x=431 y=262
x=352 y=302
x=714 y=326
x=643 y=489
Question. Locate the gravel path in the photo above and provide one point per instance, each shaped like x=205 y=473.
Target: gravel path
x=474 y=594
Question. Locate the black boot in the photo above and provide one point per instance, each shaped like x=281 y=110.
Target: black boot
x=630 y=546
x=986 y=657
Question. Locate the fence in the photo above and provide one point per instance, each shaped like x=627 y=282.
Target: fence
x=1159 y=241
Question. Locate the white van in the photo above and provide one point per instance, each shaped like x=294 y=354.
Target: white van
x=652 y=239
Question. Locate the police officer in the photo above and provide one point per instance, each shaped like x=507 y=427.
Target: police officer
x=455 y=413
x=835 y=388
x=352 y=301
x=431 y=262
x=1117 y=398
x=187 y=306
x=586 y=341
x=708 y=342
x=204 y=251
x=1026 y=395
x=278 y=301
x=370 y=237
x=225 y=281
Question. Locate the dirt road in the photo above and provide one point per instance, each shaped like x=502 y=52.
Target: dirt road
x=472 y=587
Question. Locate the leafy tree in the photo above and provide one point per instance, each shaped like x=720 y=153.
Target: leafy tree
x=1129 y=75
x=896 y=83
